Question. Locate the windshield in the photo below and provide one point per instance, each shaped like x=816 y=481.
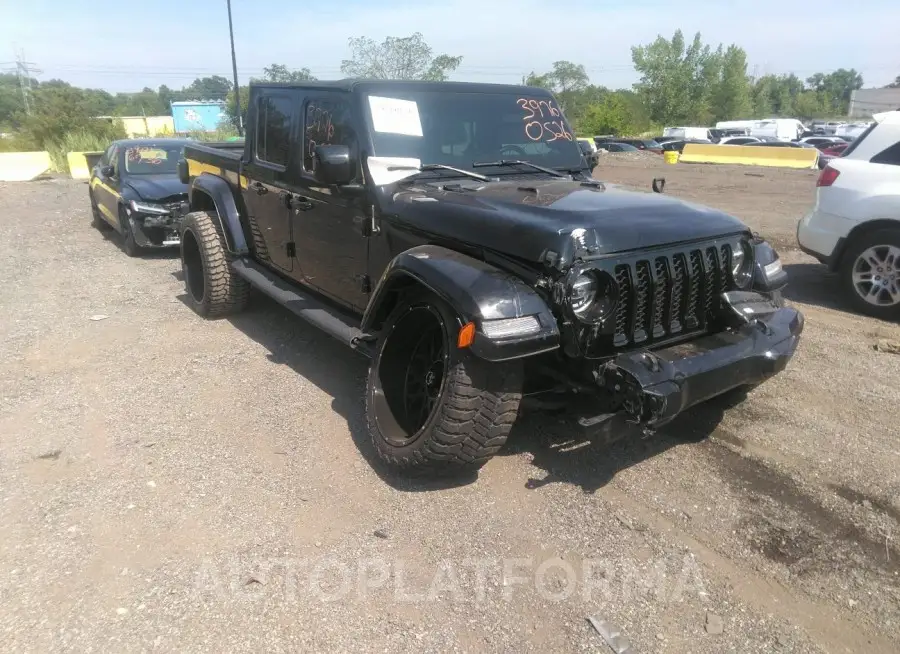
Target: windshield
x=152 y=159
x=459 y=129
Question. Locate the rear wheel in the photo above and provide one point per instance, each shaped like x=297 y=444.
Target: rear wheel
x=430 y=405
x=96 y=218
x=213 y=289
x=871 y=274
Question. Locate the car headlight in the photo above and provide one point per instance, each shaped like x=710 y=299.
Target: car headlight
x=592 y=296
x=145 y=207
x=742 y=265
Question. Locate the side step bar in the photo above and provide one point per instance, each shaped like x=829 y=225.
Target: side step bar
x=305 y=305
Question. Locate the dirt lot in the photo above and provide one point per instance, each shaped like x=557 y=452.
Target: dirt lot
x=173 y=484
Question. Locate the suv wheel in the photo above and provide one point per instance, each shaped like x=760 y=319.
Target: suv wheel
x=213 y=289
x=871 y=274
x=431 y=405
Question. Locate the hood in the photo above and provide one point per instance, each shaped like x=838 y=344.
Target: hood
x=158 y=188
x=558 y=220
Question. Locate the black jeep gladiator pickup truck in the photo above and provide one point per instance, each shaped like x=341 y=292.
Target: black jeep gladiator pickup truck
x=453 y=233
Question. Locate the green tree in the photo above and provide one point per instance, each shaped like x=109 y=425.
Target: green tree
x=402 y=58
x=612 y=116
x=837 y=87
x=810 y=104
x=60 y=109
x=207 y=88
x=731 y=93
x=283 y=74
x=677 y=78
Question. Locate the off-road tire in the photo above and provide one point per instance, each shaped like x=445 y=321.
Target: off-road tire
x=855 y=248
x=474 y=412
x=213 y=289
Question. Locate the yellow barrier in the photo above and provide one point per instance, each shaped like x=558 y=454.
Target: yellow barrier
x=80 y=163
x=23 y=166
x=749 y=155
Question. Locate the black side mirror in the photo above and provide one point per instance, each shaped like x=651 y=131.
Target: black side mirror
x=334 y=164
x=107 y=171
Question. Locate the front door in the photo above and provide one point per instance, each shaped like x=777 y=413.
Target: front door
x=327 y=222
x=266 y=195
x=106 y=188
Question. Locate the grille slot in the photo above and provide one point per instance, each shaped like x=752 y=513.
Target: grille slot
x=670 y=294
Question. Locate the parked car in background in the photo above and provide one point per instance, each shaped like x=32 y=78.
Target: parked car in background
x=689 y=133
x=650 y=145
x=833 y=149
x=617 y=147
x=739 y=140
x=851 y=131
x=135 y=190
x=854 y=227
x=678 y=145
x=820 y=140
x=781 y=129
x=665 y=139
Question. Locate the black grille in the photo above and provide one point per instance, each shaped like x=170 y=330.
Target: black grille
x=669 y=295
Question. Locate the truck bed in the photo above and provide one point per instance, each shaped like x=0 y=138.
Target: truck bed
x=225 y=155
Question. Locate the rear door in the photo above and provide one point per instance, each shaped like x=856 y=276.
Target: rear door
x=266 y=195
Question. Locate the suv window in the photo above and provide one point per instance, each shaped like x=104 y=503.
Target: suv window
x=889 y=156
x=327 y=122
x=273 y=129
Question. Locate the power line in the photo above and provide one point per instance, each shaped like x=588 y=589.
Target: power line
x=24 y=70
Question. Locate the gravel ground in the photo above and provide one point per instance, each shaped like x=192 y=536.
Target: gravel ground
x=168 y=483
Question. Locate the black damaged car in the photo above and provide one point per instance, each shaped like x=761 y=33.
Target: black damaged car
x=454 y=233
x=135 y=189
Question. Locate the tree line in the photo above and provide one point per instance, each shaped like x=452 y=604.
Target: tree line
x=681 y=82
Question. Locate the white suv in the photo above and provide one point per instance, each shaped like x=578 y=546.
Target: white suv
x=855 y=225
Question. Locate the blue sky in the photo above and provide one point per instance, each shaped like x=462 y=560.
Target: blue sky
x=124 y=46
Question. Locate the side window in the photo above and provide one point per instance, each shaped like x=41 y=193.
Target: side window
x=114 y=159
x=105 y=159
x=889 y=156
x=273 y=129
x=327 y=122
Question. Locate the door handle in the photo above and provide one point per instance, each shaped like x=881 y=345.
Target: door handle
x=259 y=187
x=300 y=203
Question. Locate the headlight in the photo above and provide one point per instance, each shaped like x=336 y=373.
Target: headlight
x=144 y=207
x=742 y=265
x=592 y=296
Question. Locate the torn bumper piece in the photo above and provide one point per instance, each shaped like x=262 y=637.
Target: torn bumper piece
x=657 y=386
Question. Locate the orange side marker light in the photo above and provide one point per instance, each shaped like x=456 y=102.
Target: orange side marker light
x=466 y=335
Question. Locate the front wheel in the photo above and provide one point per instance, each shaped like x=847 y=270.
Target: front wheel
x=871 y=274
x=430 y=405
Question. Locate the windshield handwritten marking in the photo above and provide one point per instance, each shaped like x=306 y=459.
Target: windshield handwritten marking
x=543 y=130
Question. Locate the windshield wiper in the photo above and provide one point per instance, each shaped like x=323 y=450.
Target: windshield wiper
x=426 y=167
x=516 y=162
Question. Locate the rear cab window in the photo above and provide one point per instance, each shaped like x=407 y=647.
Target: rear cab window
x=273 y=129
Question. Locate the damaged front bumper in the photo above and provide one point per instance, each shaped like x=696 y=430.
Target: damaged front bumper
x=656 y=386
x=156 y=230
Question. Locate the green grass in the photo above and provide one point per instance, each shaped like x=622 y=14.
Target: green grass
x=78 y=141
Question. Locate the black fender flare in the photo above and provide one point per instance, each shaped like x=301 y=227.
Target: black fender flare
x=476 y=290
x=222 y=196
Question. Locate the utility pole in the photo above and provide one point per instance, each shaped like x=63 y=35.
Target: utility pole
x=23 y=71
x=237 y=88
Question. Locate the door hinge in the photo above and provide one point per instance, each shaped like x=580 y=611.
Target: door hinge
x=291 y=249
x=365 y=284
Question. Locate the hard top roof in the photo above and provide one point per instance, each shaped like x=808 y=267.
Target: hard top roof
x=405 y=85
x=153 y=141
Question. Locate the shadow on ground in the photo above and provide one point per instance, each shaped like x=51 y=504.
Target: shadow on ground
x=588 y=462
x=568 y=456
x=812 y=283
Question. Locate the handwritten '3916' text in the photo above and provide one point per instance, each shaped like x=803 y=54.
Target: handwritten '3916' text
x=544 y=121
